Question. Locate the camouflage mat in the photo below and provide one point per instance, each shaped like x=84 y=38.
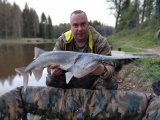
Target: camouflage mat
x=78 y=104
x=153 y=109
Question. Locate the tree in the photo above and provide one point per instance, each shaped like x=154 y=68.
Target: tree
x=133 y=15
x=34 y=23
x=50 y=28
x=30 y=22
x=157 y=9
x=25 y=16
x=5 y=21
x=1 y=17
x=143 y=10
x=16 y=16
x=116 y=5
x=43 y=26
x=128 y=14
x=147 y=10
x=101 y=28
x=124 y=15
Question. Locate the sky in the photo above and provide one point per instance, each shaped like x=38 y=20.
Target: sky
x=60 y=10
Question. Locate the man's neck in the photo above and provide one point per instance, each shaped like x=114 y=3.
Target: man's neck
x=81 y=44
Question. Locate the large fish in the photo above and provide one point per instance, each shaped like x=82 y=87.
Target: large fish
x=76 y=64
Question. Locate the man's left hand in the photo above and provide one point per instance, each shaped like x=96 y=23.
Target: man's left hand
x=99 y=70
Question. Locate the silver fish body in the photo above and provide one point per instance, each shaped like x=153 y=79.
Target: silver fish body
x=75 y=63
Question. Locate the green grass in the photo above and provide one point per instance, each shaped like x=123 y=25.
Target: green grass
x=151 y=68
x=136 y=40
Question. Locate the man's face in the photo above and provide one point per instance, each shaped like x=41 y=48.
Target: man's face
x=79 y=27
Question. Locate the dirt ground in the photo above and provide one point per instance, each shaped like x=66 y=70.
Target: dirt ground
x=129 y=80
x=129 y=76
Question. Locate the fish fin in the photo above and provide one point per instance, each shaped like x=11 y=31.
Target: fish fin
x=20 y=70
x=25 y=82
x=69 y=75
x=25 y=76
x=38 y=73
x=37 y=52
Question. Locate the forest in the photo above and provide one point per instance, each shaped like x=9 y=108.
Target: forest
x=16 y=23
x=129 y=14
x=132 y=14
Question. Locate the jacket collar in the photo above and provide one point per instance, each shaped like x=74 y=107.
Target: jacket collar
x=69 y=37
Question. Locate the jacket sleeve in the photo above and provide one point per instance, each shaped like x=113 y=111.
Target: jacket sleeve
x=60 y=44
x=102 y=47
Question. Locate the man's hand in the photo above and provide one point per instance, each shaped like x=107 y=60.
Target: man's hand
x=54 y=70
x=99 y=70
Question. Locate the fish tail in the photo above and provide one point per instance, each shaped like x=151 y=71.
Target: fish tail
x=25 y=76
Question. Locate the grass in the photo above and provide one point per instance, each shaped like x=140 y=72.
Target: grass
x=136 y=40
x=151 y=68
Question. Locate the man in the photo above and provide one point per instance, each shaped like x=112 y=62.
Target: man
x=83 y=38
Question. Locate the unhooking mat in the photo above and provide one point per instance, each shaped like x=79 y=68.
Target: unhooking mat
x=48 y=103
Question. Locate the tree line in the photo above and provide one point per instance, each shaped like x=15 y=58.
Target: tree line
x=134 y=13
x=15 y=23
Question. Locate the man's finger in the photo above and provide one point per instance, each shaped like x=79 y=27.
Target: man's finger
x=54 y=66
x=52 y=71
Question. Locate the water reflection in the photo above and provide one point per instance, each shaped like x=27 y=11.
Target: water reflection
x=12 y=56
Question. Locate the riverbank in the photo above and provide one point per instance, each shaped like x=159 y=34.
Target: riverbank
x=26 y=41
x=140 y=74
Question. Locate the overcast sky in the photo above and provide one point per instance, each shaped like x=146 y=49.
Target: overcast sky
x=60 y=10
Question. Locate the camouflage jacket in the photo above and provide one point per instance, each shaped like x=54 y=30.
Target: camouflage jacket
x=97 y=43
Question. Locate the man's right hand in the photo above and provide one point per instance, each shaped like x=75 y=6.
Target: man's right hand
x=54 y=70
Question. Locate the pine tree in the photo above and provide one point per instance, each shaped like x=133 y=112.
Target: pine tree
x=16 y=16
x=50 y=28
x=43 y=26
x=26 y=22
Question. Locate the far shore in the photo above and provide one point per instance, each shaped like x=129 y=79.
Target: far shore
x=26 y=41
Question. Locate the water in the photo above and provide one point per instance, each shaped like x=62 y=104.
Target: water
x=18 y=55
x=13 y=56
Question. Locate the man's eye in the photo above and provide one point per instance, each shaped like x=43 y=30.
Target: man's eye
x=83 y=24
x=75 y=25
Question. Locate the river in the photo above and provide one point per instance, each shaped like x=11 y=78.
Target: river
x=18 y=55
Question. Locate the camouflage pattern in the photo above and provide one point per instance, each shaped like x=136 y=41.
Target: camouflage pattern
x=153 y=109
x=99 y=43
x=77 y=104
x=11 y=105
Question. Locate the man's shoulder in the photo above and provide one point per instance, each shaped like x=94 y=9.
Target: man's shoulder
x=62 y=38
x=96 y=35
x=93 y=30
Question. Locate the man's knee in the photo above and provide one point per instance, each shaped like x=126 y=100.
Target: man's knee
x=49 y=81
x=108 y=84
x=58 y=82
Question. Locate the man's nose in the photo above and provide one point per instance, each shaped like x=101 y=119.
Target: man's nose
x=80 y=27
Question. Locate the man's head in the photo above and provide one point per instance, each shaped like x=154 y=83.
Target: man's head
x=79 y=25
